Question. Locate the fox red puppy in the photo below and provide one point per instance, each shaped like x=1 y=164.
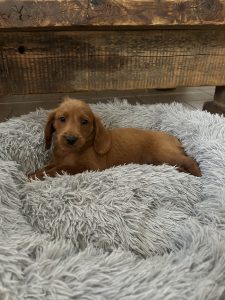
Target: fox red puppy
x=81 y=142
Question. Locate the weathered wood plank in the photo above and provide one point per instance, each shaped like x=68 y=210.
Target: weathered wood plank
x=62 y=61
x=43 y=13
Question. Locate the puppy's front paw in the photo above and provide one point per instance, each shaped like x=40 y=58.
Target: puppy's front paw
x=35 y=175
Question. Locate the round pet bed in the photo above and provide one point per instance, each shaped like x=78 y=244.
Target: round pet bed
x=129 y=232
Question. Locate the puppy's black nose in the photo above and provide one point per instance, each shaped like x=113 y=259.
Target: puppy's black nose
x=71 y=139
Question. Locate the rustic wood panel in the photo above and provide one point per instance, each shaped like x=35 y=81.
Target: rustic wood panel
x=42 y=13
x=42 y=62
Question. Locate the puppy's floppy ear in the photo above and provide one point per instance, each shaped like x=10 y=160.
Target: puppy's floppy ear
x=102 y=142
x=49 y=129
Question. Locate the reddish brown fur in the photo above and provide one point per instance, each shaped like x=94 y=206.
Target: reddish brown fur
x=98 y=148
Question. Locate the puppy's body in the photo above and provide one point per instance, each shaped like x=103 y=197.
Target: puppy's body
x=97 y=148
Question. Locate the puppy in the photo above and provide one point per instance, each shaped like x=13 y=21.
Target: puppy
x=83 y=143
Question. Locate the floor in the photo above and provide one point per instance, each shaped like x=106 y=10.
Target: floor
x=193 y=98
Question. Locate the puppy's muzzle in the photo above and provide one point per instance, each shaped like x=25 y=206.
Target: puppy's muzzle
x=70 y=139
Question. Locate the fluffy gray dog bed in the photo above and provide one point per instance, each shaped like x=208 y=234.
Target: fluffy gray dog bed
x=130 y=232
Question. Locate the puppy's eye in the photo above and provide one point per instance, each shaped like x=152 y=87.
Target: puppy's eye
x=62 y=119
x=83 y=121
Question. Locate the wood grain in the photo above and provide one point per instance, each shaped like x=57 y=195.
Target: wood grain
x=99 y=60
x=44 y=13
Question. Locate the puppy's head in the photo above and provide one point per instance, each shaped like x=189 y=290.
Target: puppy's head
x=75 y=125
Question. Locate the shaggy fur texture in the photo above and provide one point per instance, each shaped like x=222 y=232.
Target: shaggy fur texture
x=130 y=232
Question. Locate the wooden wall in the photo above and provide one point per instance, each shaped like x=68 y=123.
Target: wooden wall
x=43 y=13
x=67 y=61
x=70 y=45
